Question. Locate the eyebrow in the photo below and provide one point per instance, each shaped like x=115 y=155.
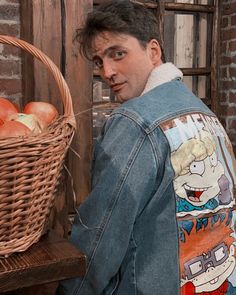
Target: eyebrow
x=109 y=49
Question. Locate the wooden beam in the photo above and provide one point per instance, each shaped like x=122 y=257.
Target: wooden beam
x=49 y=260
x=46 y=35
x=187 y=7
x=42 y=28
x=214 y=59
x=26 y=10
x=78 y=74
x=196 y=71
x=180 y=7
x=51 y=27
x=201 y=60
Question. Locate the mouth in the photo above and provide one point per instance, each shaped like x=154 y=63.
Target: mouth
x=194 y=194
x=117 y=87
x=218 y=278
x=214 y=281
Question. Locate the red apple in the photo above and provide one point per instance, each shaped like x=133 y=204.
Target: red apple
x=7 y=108
x=13 y=129
x=44 y=111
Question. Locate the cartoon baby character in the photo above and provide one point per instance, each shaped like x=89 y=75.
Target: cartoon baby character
x=206 y=269
x=199 y=175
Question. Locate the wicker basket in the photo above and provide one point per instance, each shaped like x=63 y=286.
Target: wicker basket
x=30 y=168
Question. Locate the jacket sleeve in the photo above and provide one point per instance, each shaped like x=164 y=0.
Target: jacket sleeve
x=124 y=178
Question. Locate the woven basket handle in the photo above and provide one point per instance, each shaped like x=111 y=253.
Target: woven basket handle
x=63 y=88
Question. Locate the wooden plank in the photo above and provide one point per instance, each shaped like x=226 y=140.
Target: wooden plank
x=53 y=28
x=45 y=289
x=214 y=59
x=184 y=43
x=172 y=6
x=47 y=37
x=188 y=7
x=160 y=17
x=169 y=35
x=202 y=51
x=78 y=74
x=196 y=45
x=196 y=71
x=42 y=26
x=49 y=260
x=26 y=11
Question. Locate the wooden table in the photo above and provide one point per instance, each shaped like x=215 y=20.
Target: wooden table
x=51 y=259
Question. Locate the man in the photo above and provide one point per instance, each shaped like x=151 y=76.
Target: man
x=160 y=217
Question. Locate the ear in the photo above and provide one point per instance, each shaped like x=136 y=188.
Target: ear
x=155 y=52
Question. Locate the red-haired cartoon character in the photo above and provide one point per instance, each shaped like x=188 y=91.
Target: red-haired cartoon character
x=207 y=258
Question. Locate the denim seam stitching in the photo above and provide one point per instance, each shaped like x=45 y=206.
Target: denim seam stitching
x=157 y=123
x=112 y=291
x=174 y=115
x=133 y=118
x=135 y=254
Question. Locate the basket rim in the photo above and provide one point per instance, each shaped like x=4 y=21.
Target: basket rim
x=52 y=68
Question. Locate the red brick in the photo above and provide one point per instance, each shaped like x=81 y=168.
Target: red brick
x=227 y=60
x=228 y=34
x=232 y=97
x=10 y=86
x=228 y=84
x=223 y=97
x=13 y=1
x=11 y=50
x=9 y=12
x=9 y=67
x=223 y=72
x=232 y=72
x=224 y=22
x=232 y=46
x=228 y=8
x=228 y=111
x=233 y=20
x=232 y=124
x=223 y=47
x=10 y=29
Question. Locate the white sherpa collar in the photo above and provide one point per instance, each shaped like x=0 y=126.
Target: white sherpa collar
x=162 y=74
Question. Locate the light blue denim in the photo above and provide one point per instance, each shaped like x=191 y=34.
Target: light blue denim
x=127 y=226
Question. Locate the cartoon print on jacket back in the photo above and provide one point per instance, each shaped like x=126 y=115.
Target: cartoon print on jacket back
x=200 y=181
x=210 y=267
x=204 y=173
x=204 y=183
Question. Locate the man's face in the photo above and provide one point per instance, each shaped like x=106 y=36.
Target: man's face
x=123 y=63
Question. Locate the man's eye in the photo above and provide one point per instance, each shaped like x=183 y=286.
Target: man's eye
x=118 y=54
x=98 y=63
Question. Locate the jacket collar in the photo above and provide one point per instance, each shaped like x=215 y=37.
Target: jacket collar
x=162 y=74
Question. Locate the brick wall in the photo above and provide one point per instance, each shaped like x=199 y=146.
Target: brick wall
x=10 y=62
x=227 y=84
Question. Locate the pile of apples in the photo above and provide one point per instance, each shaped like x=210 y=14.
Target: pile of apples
x=35 y=117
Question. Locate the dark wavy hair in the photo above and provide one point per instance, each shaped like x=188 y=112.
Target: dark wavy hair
x=123 y=17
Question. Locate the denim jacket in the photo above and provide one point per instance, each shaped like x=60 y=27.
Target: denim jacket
x=150 y=226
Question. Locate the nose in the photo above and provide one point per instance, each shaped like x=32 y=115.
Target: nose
x=108 y=69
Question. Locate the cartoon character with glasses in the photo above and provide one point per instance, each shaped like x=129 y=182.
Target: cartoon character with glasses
x=206 y=270
x=200 y=182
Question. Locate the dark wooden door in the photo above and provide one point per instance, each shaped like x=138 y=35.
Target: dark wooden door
x=51 y=26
